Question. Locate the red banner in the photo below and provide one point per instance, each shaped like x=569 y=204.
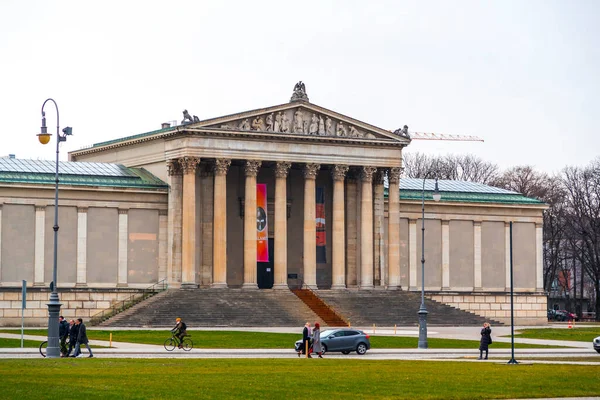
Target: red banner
x=262 y=228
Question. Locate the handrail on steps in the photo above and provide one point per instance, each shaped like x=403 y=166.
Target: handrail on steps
x=303 y=285
x=130 y=301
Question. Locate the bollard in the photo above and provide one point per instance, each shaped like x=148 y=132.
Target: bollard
x=110 y=341
x=373 y=329
x=349 y=326
x=394 y=329
x=306 y=348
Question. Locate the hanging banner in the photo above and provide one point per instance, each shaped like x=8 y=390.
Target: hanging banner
x=262 y=229
x=320 y=224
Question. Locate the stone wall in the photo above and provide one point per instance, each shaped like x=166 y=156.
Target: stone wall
x=529 y=308
x=76 y=303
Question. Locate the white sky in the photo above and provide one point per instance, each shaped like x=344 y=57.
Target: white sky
x=523 y=75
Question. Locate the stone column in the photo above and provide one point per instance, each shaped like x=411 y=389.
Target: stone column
x=394 y=228
x=250 y=244
x=0 y=245
x=163 y=224
x=174 y=228
x=40 y=226
x=208 y=196
x=366 y=228
x=189 y=165
x=81 y=247
x=507 y=255
x=281 y=173
x=220 y=224
x=445 y=255
x=477 y=278
x=412 y=253
x=539 y=257
x=351 y=229
x=310 y=229
x=122 y=256
x=338 y=264
x=379 y=270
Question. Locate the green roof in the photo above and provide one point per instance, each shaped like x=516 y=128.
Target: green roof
x=14 y=170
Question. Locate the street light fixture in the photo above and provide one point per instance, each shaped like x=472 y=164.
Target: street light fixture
x=422 y=310
x=53 y=350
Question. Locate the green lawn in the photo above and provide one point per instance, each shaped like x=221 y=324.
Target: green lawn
x=277 y=379
x=575 y=334
x=263 y=340
x=11 y=343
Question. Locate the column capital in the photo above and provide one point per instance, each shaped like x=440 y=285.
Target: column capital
x=445 y=222
x=539 y=225
x=221 y=166
x=311 y=170
x=189 y=164
x=282 y=169
x=40 y=208
x=123 y=210
x=476 y=223
x=338 y=172
x=394 y=174
x=251 y=168
x=82 y=210
x=173 y=167
x=366 y=173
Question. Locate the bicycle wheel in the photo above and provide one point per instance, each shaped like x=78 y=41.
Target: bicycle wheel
x=42 y=349
x=187 y=344
x=170 y=344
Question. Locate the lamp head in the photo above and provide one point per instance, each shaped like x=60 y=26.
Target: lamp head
x=437 y=196
x=44 y=136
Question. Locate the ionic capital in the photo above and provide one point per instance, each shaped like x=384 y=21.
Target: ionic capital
x=394 y=174
x=311 y=170
x=221 y=166
x=173 y=167
x=338 y=172
x=251 y=168
x=366 y=174
x=282 y=169
x=189 y=164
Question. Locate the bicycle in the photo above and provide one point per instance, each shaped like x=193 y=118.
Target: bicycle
x=187 y=343
x=44 y=345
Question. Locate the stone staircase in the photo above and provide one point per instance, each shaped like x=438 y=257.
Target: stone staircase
x=319 y=307
x=218 y=307
x=389 y=308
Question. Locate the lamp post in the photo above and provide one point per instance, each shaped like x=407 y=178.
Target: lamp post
x=53 y=350
x=422 y=310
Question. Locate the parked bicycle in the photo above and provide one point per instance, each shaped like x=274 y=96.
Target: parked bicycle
x=186 y=344
x=44 y=345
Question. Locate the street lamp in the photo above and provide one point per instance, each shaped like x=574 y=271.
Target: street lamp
x=53 y=350
x=422 y=310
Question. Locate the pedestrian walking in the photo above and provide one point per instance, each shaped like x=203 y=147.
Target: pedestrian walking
x=316 y=341
x=73 y=332
x=63 y=334
x=486 y=340
x=82 y=339
x=305 y=339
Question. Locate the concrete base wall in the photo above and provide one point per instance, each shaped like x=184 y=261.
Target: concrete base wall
x=529 y=308
x=76 y=303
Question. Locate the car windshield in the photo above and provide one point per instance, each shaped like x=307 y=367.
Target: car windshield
x=327 y=332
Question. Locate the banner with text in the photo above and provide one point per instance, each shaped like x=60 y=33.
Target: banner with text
x=262 y=230
x=320 y=222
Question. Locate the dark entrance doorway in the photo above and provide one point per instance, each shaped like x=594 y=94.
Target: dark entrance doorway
x=264 y=270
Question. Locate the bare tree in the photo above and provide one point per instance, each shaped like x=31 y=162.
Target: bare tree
x=453 y=167
x=525 y=180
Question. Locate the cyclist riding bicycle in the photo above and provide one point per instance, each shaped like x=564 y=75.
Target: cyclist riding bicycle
x=179 y=331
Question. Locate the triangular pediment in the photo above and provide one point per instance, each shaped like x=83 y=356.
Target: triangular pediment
x=299 y=118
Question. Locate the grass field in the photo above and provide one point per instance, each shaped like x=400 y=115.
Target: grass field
x=277 y=379
x=578 y=334
x=254 y=340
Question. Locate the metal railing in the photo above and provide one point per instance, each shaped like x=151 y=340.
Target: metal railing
x=301 y=285
x=122 y=305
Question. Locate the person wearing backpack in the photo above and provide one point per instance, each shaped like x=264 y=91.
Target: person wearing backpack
x=63 y=334
x=179 y=331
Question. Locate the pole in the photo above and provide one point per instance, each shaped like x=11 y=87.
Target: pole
x=23 y=306
x=512 y=309
x=422 y=310
x=53 y=350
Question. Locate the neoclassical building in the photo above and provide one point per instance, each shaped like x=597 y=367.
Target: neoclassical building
x=180 y=204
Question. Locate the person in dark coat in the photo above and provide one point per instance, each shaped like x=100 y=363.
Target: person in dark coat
x=82 y=339
x=73 y=332
x=305 y=338
x=63 y=334
x=486 y=340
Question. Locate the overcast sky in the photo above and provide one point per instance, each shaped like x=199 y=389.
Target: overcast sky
x=522 y=75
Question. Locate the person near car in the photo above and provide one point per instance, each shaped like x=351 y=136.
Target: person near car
x=486 y=340
x=82 y=339
x=305 y=339
x=73 y=332
x=316 y=340
x=63 y=334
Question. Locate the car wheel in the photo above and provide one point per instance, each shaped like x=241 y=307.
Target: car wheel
x=324 y=349
x=346 y=352
x=361 y=349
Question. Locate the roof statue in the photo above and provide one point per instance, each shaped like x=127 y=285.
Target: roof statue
x=187 y=118
x=403 y=132
x=299 y=92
